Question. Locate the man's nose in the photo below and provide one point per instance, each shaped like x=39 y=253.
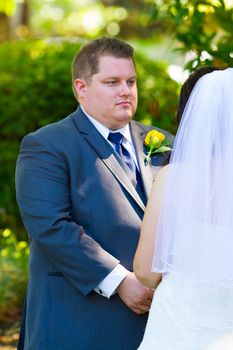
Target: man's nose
x=124 y=88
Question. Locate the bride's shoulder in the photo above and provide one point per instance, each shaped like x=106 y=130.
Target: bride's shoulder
x=170 y=168
x=162 y=177
x=162 y=173
x=160 y=180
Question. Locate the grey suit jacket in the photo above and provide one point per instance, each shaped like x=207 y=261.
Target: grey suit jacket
x=83 y=217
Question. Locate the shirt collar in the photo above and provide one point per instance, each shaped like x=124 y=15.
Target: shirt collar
x=104 y=131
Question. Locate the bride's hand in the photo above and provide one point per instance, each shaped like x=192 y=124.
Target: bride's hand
x=136 y=296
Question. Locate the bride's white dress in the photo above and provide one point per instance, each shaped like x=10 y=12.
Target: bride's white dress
x=181 y=318
x=192 y=307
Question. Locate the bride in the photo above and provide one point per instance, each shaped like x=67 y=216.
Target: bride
x=186 y=245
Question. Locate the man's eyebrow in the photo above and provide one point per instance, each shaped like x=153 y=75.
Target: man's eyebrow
x=117 y=77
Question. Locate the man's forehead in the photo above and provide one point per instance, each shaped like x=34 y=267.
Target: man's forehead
x=116 y=66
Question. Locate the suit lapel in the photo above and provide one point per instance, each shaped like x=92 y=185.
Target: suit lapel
x=106 y=153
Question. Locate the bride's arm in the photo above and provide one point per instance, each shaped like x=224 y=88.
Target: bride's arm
x=145 y=250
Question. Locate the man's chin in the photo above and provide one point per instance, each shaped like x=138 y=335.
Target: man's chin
x=127 y=116
x=119 y=120
x=125 y=120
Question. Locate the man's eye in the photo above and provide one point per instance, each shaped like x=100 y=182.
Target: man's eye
x=131 y=82
x=111 y=82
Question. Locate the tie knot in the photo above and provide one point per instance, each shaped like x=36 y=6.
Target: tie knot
x=115 y=137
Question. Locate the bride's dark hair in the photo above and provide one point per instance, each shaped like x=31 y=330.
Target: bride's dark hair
x=188 y=86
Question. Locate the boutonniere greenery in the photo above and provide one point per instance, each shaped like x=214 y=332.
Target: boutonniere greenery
x=155 y=142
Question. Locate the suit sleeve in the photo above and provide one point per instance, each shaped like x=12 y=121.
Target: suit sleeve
x=43 y=195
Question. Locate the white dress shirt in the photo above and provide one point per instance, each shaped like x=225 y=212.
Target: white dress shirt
x=109 y=284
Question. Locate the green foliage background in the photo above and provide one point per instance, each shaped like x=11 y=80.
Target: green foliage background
x=202 y=28
x=13 y=277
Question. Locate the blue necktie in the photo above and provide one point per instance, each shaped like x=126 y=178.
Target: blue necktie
x=116 y=138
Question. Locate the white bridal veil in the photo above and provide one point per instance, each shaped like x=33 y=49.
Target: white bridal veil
x=194 y=239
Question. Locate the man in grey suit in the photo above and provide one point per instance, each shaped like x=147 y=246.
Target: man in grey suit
x=82 y=186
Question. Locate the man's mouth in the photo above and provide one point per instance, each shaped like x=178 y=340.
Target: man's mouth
x=124 y=103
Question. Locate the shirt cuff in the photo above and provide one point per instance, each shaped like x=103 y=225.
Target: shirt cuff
x=107 y=287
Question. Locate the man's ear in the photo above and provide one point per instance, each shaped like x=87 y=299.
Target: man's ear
x=80 y=87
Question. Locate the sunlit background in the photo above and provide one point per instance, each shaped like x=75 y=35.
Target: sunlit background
x=145 y=23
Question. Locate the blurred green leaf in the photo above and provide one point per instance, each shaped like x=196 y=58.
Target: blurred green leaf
x=13 y=278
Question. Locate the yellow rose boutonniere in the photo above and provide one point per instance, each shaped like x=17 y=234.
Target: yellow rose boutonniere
x=155 y=142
